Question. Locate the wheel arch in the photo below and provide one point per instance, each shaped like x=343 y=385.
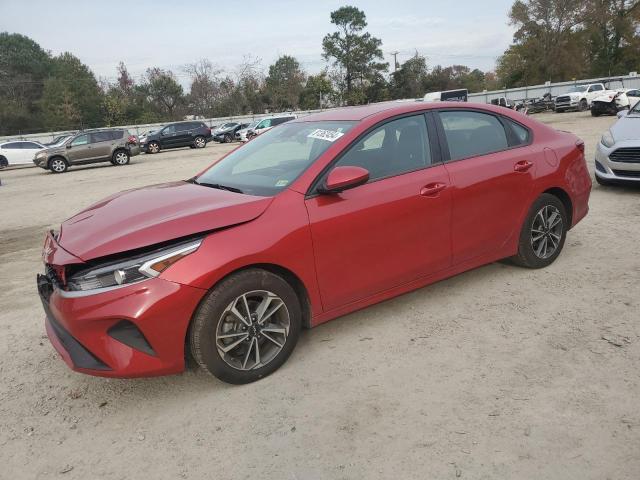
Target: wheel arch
x=57 y=155
x=564 y=197
x=290 y=277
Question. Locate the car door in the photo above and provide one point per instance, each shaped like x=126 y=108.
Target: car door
x=29 y=150
x=491 y=168
x=594 y=92
x=79 y=149
x=101 y=145
x=390 y=231
x=12 y=151
x=167 y=136
x=182 y=136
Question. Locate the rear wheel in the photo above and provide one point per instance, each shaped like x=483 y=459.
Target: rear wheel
x=583 y=105
x=58 y=165
x=153 y=147
x=246 y=327
x=3 y=162
x=543 y=233
x=199 y=142
x=120 y=157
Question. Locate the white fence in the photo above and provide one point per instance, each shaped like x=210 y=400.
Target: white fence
x=629 y=81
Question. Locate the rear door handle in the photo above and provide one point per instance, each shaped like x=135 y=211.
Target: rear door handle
x=523 y=166
x=432 y=189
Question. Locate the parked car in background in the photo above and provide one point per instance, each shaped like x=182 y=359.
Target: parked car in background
x=614 y=101
x=459 y=95
x=267 y=124
x=579 y=97
x=105 y=145
x=241 y=134
x=19 y=152
x=280 y=234
x=226 y=133
x=618 y=153
x=194 y=134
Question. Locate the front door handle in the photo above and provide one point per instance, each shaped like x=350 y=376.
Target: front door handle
x=432 y=189
x=523 y=166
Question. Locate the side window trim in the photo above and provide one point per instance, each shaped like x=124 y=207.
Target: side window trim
x=504 y=121
x=436 y=155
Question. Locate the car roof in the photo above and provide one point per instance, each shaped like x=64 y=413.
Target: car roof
x=390 y=109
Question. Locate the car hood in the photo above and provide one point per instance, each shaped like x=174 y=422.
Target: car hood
x=627 y=128
x=151 y=215
x=55 y=149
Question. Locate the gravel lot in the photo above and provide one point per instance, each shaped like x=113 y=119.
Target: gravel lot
x=498 y=373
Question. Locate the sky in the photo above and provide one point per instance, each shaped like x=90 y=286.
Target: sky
x=171 y=34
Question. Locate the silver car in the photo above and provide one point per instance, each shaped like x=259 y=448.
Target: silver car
x=618 y=152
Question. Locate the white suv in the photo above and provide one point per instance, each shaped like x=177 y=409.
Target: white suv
x=579 y=97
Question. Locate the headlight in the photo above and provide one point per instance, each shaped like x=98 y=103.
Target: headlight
x=607 y=140
x=133 y=270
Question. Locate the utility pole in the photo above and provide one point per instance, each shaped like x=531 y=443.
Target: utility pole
x=395 y=60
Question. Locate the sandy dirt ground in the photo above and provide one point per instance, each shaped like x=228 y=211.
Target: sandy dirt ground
x=498 y=373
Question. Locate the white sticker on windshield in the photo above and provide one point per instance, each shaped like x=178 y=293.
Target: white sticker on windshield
x=328 y=135
x=282 y=183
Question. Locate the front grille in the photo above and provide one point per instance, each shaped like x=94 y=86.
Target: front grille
x=563 y=99
x=626 y=155
x=627 y=173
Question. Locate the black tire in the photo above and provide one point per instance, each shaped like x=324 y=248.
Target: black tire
x=209 y=319
x=594 y=113
x=58 y=165
x=3 y=162
x=559 y=110
x=527 y=255
x=120 y=158
x=199 y=142
x=583 y=105
x=227 y=138
x=153 y=147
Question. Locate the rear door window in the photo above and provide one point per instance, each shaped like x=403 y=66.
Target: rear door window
x=30 y=145
x=98 y=137
x=469 y=134
x=12 y=146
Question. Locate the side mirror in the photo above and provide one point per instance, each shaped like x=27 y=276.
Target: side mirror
x=622 y=113
x=344 y=178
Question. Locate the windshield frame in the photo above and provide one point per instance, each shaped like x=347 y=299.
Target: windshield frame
x=578 y=89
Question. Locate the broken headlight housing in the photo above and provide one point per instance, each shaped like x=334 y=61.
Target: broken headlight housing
x=133 y=270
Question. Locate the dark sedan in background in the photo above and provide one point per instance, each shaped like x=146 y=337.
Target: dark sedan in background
x=226 y=132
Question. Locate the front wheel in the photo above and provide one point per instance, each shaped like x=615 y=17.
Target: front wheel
x=543 y=233
x=583 y=105
x=246 y=327
x=153 y=147
x=58 y=165
x=227 y=138
x=200 y=142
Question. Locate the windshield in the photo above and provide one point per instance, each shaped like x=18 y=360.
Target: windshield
x=253 y=124
x=579 y=88
x=272 y=161
x=635 y=109
x=227 y=125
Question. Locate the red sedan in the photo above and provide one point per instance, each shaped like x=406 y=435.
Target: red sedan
x=317 y=218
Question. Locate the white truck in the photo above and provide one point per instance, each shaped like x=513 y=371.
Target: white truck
x=579 y=97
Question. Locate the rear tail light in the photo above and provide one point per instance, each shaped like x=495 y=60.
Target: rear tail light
x=132 y=139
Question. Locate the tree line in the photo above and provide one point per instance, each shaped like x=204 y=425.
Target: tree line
x=554 y=40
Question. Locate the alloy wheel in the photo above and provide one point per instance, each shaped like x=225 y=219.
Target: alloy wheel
x=58 y=165
x=200 y=142
x=252 y=330
x=154 y=148
x=121 y=158
x=546 y=231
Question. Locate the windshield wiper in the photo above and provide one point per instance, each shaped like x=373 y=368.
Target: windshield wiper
x=219 y=186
